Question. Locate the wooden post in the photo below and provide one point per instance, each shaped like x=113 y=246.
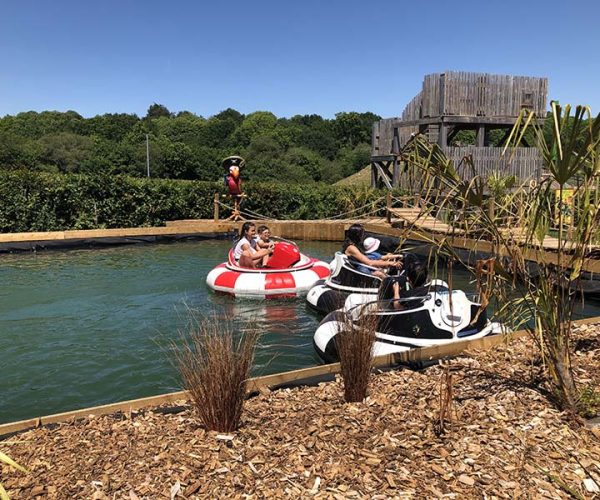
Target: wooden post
x=216 y=210
x=373 y=175
x=481 y=136
x=443 y=137
x=521 y=208
x=395 y=173
x=388 y=206
x=491 y=208
x=417 y=200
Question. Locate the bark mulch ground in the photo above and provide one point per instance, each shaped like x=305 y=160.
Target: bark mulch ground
x=501 y=437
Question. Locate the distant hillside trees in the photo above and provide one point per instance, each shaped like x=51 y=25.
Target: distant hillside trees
x=300 y=149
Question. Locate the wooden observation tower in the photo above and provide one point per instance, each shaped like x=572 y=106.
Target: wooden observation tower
x=453 y=101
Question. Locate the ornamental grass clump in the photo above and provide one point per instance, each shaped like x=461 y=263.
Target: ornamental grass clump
x=214 y=360
x=354 y=344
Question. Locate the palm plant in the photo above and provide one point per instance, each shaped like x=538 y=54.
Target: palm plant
x=548 y=292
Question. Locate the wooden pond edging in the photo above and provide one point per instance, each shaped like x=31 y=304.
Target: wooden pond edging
x=255 y=384
x=318 y=230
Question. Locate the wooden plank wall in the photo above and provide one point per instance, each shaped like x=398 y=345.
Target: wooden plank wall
x=404 y=133
x=463 y=93
x=526 y=163
x=483 y=94
x=412 y=111
x=375 y=139
x=432 y=92
x=385 y=135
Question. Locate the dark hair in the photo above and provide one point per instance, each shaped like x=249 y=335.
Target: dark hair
x=354 y=236
x=416 y=272
x=244 y=229
x=260 y=229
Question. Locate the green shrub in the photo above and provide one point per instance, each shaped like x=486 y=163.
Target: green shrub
x=56 y=202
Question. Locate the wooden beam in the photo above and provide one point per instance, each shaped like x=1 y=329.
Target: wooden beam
x=481 y=136
x=396 y=173
x=443 y=139
x=373 y=175
x=455 y=119
x=385 y=177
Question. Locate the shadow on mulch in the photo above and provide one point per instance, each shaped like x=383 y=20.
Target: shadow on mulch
x=486 y=382
x=587 y=344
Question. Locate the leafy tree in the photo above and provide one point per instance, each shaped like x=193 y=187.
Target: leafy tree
x=186 y=128
x=156 y=111
x=66 y=151
x=352 y=128
x=303 y=148
x=464 y=138
x=319 y=138
x=113 y=127
x=302 y=159
x=178 y=161
x=17 y=151
x=208 y=163
x=230 y=114
x=254 y=124
x=35 y=125
x=216 y=132
x=354 y=159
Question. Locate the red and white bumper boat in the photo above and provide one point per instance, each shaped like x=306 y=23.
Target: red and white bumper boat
x=288 y=273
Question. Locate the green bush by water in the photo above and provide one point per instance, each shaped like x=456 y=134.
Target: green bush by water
x=55 y=202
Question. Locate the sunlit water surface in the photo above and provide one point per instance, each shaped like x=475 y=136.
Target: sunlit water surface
x=80 y=328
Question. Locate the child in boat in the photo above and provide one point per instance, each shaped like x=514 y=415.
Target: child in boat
x=246 y=251
x=263 y=237
x=353 y=246
x=371 y=246
x=415 y=275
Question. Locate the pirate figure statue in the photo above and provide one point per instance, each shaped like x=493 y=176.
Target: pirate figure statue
x=232 y=165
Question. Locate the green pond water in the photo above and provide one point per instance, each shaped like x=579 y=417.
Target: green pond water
x=80 y=328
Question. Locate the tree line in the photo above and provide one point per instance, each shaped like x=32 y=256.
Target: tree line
x=183 y=145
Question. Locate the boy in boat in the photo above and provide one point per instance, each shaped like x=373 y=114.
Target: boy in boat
x=263 y=238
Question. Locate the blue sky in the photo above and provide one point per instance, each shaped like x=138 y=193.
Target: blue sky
x=290 y=58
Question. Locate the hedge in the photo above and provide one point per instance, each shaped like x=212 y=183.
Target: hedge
x=55 y=202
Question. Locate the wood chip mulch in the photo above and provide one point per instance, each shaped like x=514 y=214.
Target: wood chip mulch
x=502 y=438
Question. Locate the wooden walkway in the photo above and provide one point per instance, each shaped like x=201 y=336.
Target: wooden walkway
x=517 y=234
x=418 y=218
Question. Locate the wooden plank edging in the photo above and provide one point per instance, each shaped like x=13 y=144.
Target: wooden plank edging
x=277 y=379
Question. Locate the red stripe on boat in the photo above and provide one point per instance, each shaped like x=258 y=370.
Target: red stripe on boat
x=227 y=279
x=322 y=271
x=278 y=281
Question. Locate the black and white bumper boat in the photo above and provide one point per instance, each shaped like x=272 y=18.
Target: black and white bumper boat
x=329 y=294
x=425 y=316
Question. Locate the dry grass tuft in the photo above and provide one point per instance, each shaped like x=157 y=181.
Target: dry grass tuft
x=446 y=400
x=214 y=360
x=354 y=344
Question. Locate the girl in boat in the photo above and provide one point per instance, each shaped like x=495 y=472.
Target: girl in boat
x=246 y=251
